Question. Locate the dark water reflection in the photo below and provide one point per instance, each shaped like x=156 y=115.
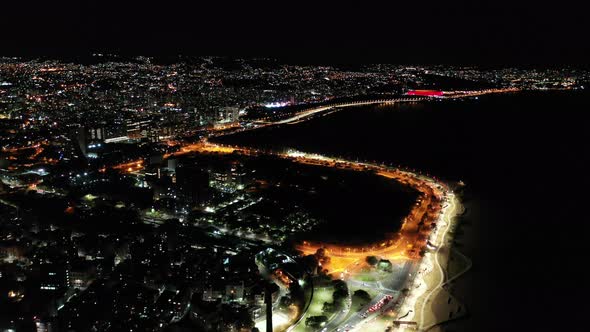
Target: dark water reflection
x=525 y=159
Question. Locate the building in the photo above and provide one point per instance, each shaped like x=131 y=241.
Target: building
x=142 y=129
x=210 y=295
x=90 y=139
x=193 y=184
x=82 y=274
x=228 y=178
x=425 y=93
x=234 y=292
x=43 y=325
x=54 y=277
x=228 y=114
x=11 y=251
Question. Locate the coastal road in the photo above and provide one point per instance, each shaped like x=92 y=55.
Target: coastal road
x=411 y=238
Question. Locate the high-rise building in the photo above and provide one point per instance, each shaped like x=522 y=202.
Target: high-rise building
x=89 y=139
x=54 y=277
x=228 y=114
x=193 y=184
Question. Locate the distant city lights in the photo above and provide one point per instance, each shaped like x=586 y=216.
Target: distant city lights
x=276 y=104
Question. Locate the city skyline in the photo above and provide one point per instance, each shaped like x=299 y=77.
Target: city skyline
x=199 y=193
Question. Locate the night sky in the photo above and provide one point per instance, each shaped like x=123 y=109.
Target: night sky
x=305 y=32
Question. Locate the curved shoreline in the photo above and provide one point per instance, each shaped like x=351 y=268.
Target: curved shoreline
x=438 y=192
x=408 y=247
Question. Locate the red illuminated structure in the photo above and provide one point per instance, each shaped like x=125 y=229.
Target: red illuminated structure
x=426 y=93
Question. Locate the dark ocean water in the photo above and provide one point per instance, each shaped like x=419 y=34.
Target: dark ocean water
x=525 y=158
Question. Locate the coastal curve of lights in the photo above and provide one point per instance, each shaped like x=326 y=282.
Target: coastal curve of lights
x=408 y=242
